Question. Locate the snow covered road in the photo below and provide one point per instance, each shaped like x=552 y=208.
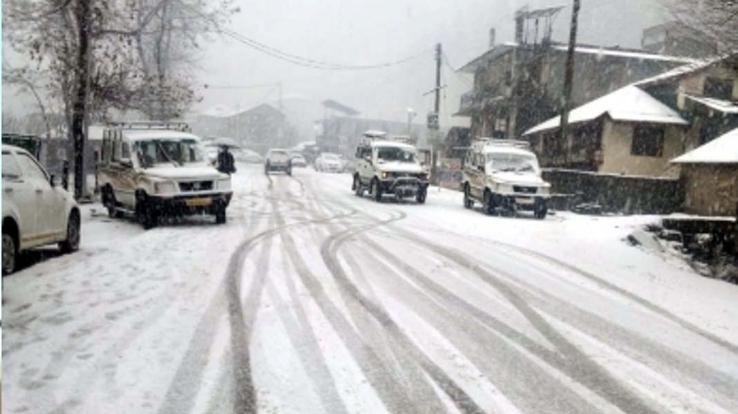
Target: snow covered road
x=313 y=300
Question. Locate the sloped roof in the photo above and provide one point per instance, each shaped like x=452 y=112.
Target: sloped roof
x=691 y=68
x=720 y=105
x=721 y=150
x=625 y=104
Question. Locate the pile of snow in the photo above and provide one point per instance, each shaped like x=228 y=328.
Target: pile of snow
x=626 y=104
x=721 y=150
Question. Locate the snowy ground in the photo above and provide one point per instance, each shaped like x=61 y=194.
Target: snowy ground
x=313 y=300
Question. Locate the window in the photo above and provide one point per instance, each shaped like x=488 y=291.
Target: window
x=718 y=88
x=648 y=141
x=10 y=166
x=31 y=169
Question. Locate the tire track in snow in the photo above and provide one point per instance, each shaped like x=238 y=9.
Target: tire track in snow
x=577 y=364
x=329 y=249
x=180 y=396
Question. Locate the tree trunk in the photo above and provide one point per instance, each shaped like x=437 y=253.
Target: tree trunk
x=79 y=103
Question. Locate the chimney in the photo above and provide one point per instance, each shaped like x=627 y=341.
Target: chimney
x=492 y=33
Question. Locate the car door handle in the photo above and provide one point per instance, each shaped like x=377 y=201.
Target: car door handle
x=39 y=191
x=8 y=190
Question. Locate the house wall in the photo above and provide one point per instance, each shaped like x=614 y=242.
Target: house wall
x=695 y=84
x=617 y=140
x=711 y=190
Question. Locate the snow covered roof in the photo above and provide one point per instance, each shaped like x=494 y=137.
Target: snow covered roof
x=726 y=107
x=692 y=67
x=149 y=134
x=721 y=150
x=625 y=104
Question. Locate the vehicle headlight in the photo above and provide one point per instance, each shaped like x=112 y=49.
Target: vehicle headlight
x=223 y=185
x=546 y=190
x=165 y=187
x=504 y=188
x=386 y=175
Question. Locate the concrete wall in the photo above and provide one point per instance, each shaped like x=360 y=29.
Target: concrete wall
x=617 y=140
x=711 y=190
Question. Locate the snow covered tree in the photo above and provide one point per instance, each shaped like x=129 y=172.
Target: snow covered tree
x=717 y=19
x=97 y=54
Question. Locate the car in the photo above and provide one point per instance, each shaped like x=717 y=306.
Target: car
x=37 y=211
x=298 y=160
x=278 y=159
x=328 y=162
x=154 y=170
x=504 y=175
x=386 y=166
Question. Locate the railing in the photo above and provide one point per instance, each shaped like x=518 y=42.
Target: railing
x=164 y=125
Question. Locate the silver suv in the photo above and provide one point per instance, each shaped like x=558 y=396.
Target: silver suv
x=385 y=166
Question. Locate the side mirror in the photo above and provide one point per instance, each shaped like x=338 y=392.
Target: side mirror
x=126 y=163
x=55 y=181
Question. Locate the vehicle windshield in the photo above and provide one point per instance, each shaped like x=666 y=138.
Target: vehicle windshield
x=511 y=162
x=153 y=152
x=330 y=157
x=395 y=154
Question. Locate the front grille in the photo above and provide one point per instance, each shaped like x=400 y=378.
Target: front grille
x=196 y=186
x=524 y=190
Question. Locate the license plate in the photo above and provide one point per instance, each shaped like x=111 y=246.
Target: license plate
x=198 y=202
x=526 y=201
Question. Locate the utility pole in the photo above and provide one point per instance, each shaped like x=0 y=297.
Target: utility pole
x=435 y=126
x=568 y=79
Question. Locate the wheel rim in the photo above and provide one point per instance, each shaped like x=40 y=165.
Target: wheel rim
x=8 y=252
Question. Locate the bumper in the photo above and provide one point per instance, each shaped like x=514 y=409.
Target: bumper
x=190 y=204
x=521 y=201
x=404 y=186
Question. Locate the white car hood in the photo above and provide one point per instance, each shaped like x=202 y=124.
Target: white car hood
x=195 y=172
x=518 y=178
x=402 y=167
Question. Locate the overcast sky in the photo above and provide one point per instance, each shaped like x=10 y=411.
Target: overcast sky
x=368 y=32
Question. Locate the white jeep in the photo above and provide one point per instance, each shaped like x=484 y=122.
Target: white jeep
x=384 y=166
x=504 y=175
x=158 y=169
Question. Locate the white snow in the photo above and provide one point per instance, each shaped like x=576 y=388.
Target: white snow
x=721 y=150
x=629 y=103
x=720 y=105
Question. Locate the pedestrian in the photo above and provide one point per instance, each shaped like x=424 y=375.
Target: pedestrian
x=225 y=161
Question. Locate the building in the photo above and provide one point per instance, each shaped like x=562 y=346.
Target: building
x=677 y=39
x=258 y=128
x=710 y=173
x=625 y=132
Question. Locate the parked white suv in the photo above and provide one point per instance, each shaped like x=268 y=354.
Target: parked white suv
x=158 y=169
x=385 y=166
x=504 y=175
x=36 y=210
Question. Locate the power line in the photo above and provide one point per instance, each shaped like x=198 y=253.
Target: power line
x=300 y=60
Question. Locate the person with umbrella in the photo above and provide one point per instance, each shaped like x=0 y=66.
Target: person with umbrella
x=225 y=162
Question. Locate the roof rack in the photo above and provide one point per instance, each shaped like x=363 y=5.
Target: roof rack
x=180 y=126
x=373 y=135
x=516 y=143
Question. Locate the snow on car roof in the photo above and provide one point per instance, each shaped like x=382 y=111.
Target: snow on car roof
x=629 y=103
x=506 y=149
x=721 y=150
x=151 y=134
x=385 y=143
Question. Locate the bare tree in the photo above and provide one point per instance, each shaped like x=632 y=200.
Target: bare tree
x=90 y=49
x=717 y=19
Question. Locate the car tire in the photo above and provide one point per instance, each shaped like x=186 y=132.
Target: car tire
x=289 y=171
x=10 y=253
x=540 y=212
x=109 y=201
x=468 y=201
x=145 y=214
x=71 y=243
x=489 y=203
x=358 y=189
x=220 y=214
x=421 y=195
x=376 y=190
